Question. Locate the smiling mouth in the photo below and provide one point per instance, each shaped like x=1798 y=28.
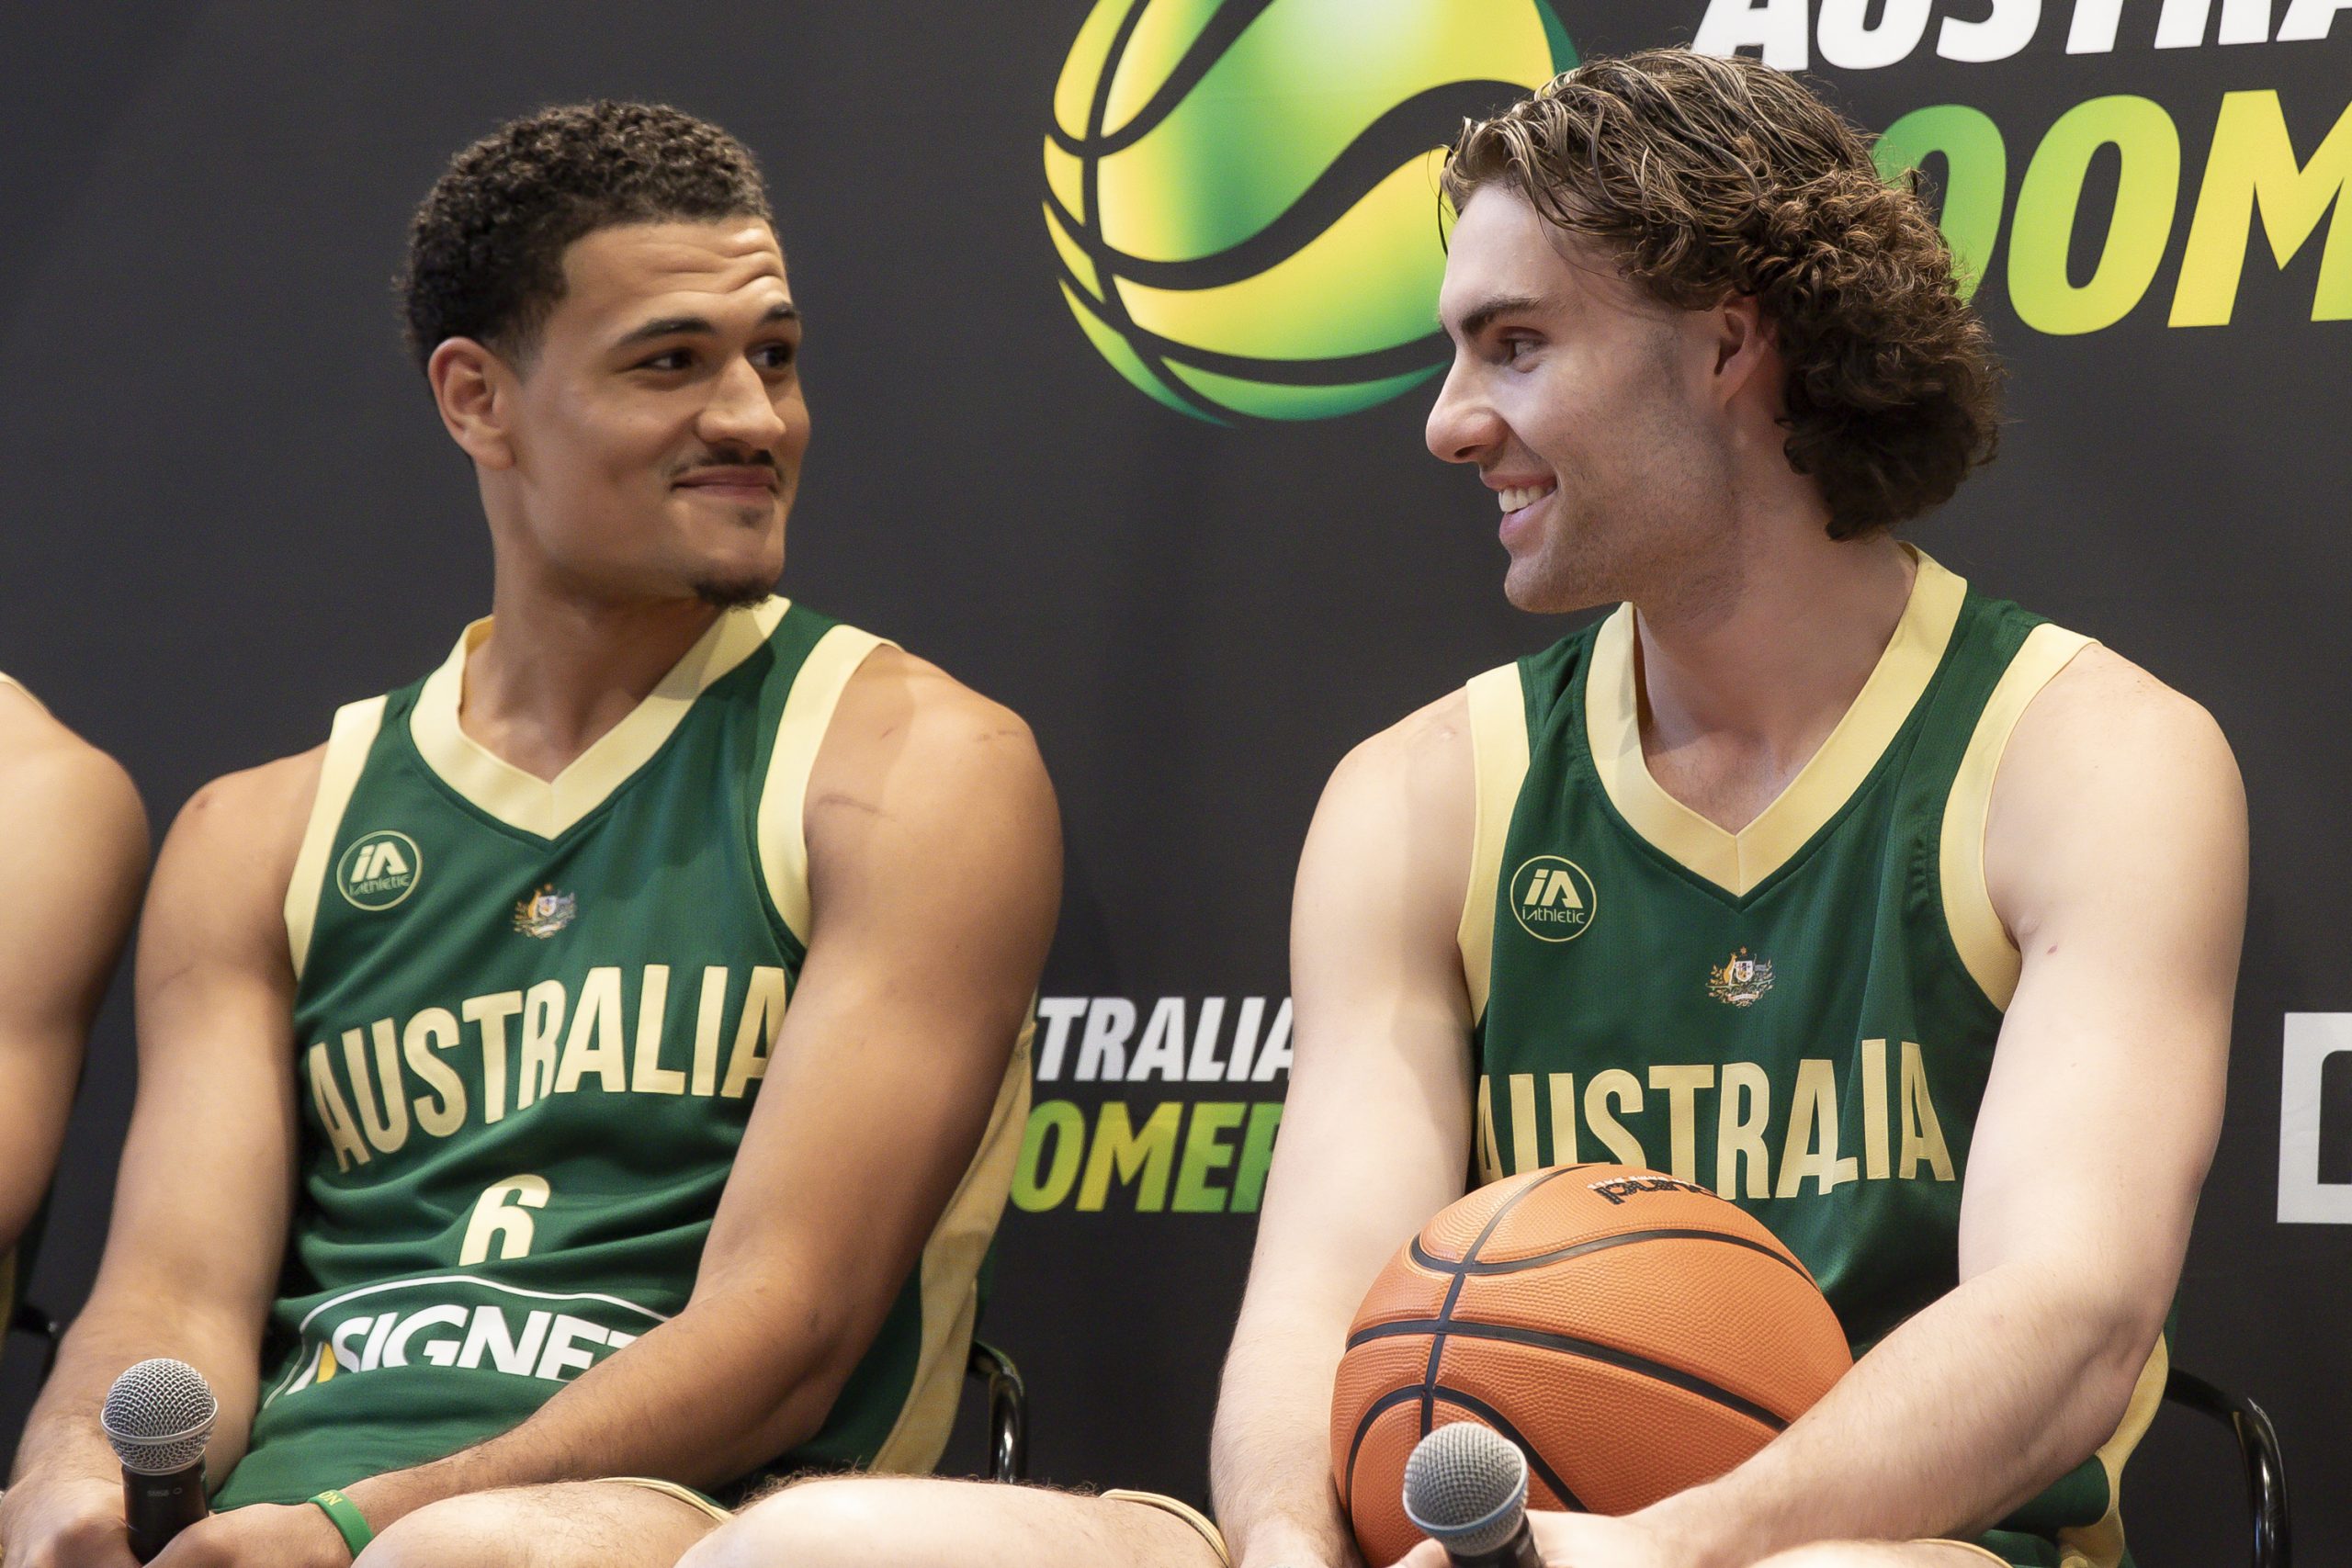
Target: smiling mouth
x=1520 y=496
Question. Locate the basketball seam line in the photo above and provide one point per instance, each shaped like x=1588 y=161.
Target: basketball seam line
x=1513 y=1265
x=1585 y=1349
x=1454 y=1291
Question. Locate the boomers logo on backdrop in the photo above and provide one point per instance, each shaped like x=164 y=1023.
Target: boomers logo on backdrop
x=1243 y=192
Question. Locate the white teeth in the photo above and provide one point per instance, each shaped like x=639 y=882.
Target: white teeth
x=1512 y=500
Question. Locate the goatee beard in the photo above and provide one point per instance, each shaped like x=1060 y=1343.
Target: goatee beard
x=733 y=593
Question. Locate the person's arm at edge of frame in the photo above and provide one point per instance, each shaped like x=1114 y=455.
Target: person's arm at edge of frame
x=201 y=1204
x=881 y=1083
x=1376 y=1124
x=2115 y=855
x=76 y=838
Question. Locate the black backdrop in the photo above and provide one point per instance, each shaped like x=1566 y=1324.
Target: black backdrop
x=228 y=508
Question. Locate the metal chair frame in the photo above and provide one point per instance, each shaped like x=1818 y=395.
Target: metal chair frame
x=2266 y=1469
x=1008 y=1411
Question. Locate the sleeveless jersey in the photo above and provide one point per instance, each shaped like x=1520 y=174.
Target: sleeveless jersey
x=1800 y=1016
x=532 y=1018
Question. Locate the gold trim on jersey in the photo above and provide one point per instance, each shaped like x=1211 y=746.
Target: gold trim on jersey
x=2100 y=1545
x=1739 y=861
x=783 y=794
x=349 y=743
x=948 y=1276
x=1498 y=762
x=1976 y=929
x=547 y=806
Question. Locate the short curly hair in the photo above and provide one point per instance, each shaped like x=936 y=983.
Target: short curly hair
x=1709 y=178
x=485 y=251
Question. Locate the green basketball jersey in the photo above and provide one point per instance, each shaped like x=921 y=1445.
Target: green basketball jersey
x=532 y=1018
x=1801 y=1015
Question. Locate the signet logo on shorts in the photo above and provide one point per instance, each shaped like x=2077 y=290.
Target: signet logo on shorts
x=1553 y=898
x=379 y=870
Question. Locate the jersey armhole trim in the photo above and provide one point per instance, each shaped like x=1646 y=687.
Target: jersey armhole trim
x=783 y=794
x=348 y=744
x=2101 y=1544
x=1499 y=764
x=1977 y=932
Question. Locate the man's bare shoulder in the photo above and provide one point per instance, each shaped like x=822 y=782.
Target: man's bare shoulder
x=898 y=709
x=250 y=823
x=50 y=779
x=2104 y=724
x=1426 y=757
x=910 y=739
x=2109 y=769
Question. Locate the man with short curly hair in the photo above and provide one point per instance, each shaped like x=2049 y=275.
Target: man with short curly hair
x=1894 y=914
x=566 y=1072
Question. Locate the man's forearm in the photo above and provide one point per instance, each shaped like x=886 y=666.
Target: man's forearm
x=1270 y=1462
x=701 y=1400
x=62 y=1435
x=1965 y=1411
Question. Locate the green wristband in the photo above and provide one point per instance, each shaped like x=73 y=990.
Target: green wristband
x=349 y=1522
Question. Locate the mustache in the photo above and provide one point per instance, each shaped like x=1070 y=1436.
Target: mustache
x=746 y=460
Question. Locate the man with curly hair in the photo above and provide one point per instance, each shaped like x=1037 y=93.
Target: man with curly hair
x=1905 y=920
x=605 y=1056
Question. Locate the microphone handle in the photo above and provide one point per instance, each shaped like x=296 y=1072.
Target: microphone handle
x=1519 y=1552
x=157 y=1508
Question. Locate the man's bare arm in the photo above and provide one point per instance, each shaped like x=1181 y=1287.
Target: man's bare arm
x=935 y=873
x=76 y=838
x=200 y=1208
x=1376 y=1126
x=2116 y=853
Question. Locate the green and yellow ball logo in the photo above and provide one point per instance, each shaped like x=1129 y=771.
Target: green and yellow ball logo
x=1244 y=191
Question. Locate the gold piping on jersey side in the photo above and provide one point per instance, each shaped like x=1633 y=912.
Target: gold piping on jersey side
x=547 y=806
x=1976 y=929
x=948 y=1276
x=2100 y=1545
x=783 y=794
x=349 y=743
x=1739 y=861
x=1499 y=764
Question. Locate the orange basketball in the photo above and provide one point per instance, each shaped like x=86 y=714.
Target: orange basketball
x=1634 y=1334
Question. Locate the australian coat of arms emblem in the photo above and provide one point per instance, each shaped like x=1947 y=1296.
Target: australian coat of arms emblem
x=546 y=912
x=1740 y=979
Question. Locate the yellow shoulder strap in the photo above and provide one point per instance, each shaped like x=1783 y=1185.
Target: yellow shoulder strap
x=1498 y=756
x=784 y=795
x=349 y=743
x=1976 y=929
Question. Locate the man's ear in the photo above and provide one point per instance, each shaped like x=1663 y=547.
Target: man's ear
x=1745 y=349
x=475 y=390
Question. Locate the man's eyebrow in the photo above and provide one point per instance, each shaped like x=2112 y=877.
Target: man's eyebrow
x=692 y=326
x=1483 y=316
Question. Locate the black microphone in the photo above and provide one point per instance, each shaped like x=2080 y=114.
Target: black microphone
x=1466 y=1488
x=157 y=1418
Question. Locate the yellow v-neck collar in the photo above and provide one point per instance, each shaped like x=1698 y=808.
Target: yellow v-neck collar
x=548 y=807
x=1737 y=862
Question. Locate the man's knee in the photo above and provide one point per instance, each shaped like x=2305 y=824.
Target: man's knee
x=474 y=1531
x=833 y=1523
x=1880 y=1554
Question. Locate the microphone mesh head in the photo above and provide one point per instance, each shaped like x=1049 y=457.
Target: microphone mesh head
x=158 y=1415
x=1465 y=1487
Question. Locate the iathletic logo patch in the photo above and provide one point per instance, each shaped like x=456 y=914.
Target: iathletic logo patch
x=379 y=870
x=1554 y=898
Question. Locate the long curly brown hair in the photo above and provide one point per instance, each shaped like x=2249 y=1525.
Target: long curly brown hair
x=1710 y=177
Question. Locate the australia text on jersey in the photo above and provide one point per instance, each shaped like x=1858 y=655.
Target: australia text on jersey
x=1658 y=1124
x=539 y=1041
